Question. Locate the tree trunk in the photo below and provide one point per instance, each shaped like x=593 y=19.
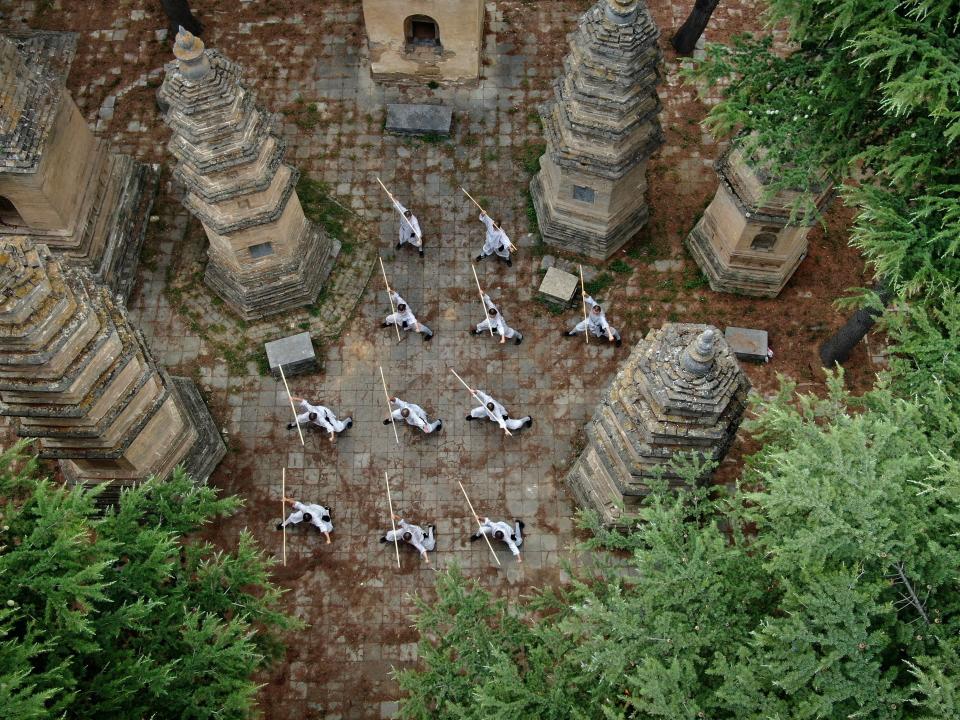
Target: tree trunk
x=837 y=348
x=178 y=14
x=686 y=38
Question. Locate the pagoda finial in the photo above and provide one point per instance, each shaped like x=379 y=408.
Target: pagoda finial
x=189 y=51
x=699 y=355
x=622 y=12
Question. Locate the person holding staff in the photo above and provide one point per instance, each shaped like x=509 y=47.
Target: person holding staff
x=403 y=317
x=409 y=229
x=596 y=323
x=411 y=534
x=496 y=241
x=412 y=414
x=496 y=412
x=500 y=530
x=320 y=416
x=316 y=515
x=495 y=320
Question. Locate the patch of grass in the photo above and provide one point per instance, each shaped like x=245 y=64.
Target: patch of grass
x=695 y=279
x=529 y=156
x=533 y=224
x=320 y=207
x=600 y=283
x=551 y=307
x=621 y=267
x=433 y=138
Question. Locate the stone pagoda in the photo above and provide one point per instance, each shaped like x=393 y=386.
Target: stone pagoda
x=680 y=391
x=59 y=184
x=264 y=256
x=602 y=126
x=75 y=374
x=745 y=242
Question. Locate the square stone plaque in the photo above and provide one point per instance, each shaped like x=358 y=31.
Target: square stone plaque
x=558 y=286
x=295 y=353
x=747 y=344
x=419 y=119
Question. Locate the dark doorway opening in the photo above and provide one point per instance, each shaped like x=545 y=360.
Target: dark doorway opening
x=422 y=31
x=8 y=213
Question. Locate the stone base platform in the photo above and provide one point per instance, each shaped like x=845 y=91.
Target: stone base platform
x=740 y=280
x=419 y=120
x=255 y=295
x=208 y=450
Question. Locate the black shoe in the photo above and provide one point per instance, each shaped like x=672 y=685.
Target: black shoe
x=509 y=262
x=529 y=422
x=383 y=539
x=279 y=526
x=479 y=258
x=473 y=331
x=439 y=424
x=564 y=333
x=399 y=245
x=349 y=423
x=618 y=342
x=470 y=417
x=385 y=324
x=474 y=538
x=291 y=426
x=421 y=252
x=428 y=338
x=518 y=340
x=521 y=523
x=387 y=421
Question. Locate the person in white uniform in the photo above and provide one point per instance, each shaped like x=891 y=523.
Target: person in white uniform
x=496 y=241
x=320 y=416
x=496 y=321
x=412 y=414
x=316 y=515
x=596 y=323
x=409 y=233
x=411 y=534
x=405 y=318
x=500 y=530
x=496 y=412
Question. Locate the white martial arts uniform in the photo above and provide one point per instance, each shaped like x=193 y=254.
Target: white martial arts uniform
x=597 y=323
x=408 y=234
x=405 y=319
x=496 y=240
x=423 y=542
x=512 y=536
x=417 y=417
x=317 y=513
x=499 y=325
x=499 y=414
x=325 y=417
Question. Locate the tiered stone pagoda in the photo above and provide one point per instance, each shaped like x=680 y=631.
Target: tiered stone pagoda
x=264 y=255
x=602 y=126
x=75 y=374
x=59 y=184
x=681 y=390
x=745 y=242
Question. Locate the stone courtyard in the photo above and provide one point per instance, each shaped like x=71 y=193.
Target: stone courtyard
x=309 y=63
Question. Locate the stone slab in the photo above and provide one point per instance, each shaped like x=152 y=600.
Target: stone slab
x=419 y=119
x=294 y=352
x=558 y=286
x=747 y=343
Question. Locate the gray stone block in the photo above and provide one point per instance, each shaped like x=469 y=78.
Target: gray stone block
x=747 y=343
x=419 y=119
x=558 y=286
x=295 y=353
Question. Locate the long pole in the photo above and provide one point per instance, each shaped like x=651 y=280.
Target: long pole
x=283 y=510
x=489 y=324
x=396 y=205
x=583 y=300
x=396 y=545
x=389 y=409
x=479 y=524
x=393 y=310
x=486 y=213
x=475 y=395
x=292 y=408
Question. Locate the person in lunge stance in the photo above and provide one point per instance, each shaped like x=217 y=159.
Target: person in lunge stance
x=405 y=318
x=496 y=412
x=500 y=530
x=596 y=323
x=316 y=515
x=320 y=416
x=424 y=542
x=412 y=414
x=495 y=320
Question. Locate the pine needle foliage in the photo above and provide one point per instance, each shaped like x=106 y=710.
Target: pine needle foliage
x=120 y=615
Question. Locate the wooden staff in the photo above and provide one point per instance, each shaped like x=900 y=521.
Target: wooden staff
x=283 y=510
x=487 y=214
x=489 y=324
x=583 y=299
x=396 y=545
x=389 y=409
x=479 y=524
x=397 y=206
x=475 y=396
x=290 y=398
x=393 y=310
